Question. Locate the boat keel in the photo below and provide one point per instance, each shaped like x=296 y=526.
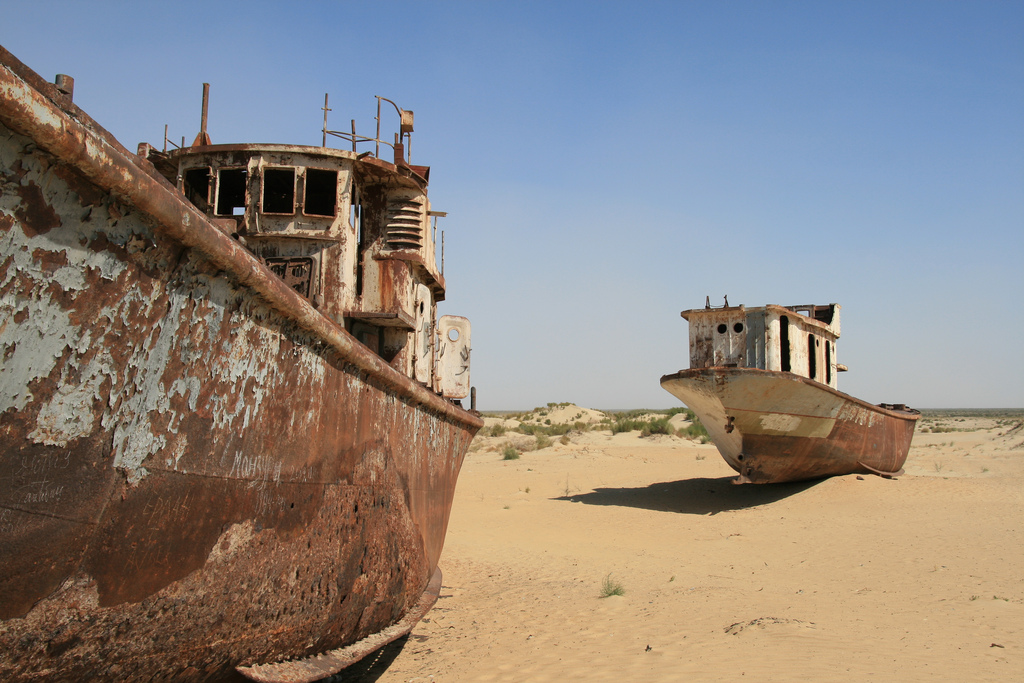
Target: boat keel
x=316 y=667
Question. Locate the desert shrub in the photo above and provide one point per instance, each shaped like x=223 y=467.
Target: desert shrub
x=509 y=452
x=645 y=427
x=610 y=587
x=497 y=429
x=543 y=441
x=695 y=430
x=547 y=430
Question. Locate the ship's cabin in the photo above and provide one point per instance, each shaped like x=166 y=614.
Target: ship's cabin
x=353 y=234
x=796 y=339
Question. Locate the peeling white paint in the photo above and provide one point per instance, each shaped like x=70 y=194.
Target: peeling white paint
x=68 y=415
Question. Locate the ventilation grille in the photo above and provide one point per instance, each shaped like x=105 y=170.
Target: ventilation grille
x=405 y=224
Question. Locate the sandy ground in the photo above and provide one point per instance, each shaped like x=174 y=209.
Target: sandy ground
x=919 y=578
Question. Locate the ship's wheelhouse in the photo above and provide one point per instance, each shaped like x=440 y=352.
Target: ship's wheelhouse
x=796 y=339
x=353 y=234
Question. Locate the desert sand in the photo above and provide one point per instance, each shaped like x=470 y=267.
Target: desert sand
x=917 y=578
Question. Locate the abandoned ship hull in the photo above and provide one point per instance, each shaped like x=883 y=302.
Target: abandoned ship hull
x=198 y=470
x=777 y=426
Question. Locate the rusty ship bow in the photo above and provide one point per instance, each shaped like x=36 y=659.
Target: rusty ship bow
x=230 y=420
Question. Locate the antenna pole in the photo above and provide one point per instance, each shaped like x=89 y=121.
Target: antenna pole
x=377 y=152
x=326 y=109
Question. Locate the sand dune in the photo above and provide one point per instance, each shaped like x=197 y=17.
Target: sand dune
x=851 y=578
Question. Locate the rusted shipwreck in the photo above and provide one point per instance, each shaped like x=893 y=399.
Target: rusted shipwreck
x=763 y=382
x=230 y=421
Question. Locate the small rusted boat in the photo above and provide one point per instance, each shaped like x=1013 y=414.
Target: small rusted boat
x=763 y=382
x=230 y=419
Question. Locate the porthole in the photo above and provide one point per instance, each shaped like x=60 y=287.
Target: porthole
x=737 y=328
x=722 y=328
x=453 y=335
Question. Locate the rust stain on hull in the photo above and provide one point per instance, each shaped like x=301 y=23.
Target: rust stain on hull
x=198 y=469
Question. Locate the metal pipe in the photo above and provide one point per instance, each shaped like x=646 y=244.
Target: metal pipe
x=206 y=109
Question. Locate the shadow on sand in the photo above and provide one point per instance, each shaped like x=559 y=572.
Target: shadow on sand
x=372 y=666
x=701 y=496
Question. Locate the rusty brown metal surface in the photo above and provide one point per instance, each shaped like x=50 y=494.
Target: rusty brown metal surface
x=322 y=665
x=775 y=427
x=198 y=469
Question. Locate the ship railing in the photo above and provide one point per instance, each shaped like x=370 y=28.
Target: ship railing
x=403 y=139
x=168 y=141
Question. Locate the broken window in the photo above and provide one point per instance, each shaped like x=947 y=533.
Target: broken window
x=828 y=362
x=784 y=343
x=321 y=197
x=812 y=358
x=197 y=187
x=296 y=272
x=231 y=191
x=279 y=190
x=357 y=225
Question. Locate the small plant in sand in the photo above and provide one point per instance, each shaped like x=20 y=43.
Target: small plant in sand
x=569 y=490
x=543 y=441
x=564 y=440
x=509 y=452
x=610 y=587
x=498 y=430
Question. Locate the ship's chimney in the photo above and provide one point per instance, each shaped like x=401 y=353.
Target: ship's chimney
x=203 y=138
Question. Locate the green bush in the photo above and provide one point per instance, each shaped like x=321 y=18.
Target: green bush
x=610 y=587
x=509 y=452
x=546 y=430
x=694 y=431
x=645 y=427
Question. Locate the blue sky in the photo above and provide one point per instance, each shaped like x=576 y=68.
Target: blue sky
x=607 y=165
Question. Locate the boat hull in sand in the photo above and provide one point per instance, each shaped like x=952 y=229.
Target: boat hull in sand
x=777 y=426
